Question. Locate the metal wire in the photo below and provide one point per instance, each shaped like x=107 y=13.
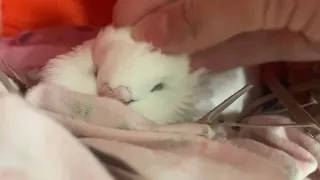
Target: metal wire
x=215 y=113
x=311 y=127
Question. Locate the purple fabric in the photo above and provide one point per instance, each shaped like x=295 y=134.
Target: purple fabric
x=32 y=49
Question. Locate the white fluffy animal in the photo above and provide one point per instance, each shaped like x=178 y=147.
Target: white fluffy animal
x=159 y=87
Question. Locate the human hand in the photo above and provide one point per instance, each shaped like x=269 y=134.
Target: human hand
x=223 y=34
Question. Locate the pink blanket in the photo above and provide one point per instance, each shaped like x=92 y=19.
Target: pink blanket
x=34 y=146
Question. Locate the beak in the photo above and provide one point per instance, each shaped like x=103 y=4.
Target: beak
x=120 y=93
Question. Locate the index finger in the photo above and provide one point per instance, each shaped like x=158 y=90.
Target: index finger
x=128 y=12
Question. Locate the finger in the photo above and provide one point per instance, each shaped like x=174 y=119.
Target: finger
x=256 y=48
x=192 y=25
x=128 y=12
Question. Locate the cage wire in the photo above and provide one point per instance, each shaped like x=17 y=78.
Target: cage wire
x=306 y=116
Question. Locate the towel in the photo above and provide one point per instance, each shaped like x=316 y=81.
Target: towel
x=48 y=143
x=56 y=134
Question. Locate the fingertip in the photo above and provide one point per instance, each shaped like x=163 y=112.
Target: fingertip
x=129 y=12
x=153 y=28
x=118 y=17
x=166 y=27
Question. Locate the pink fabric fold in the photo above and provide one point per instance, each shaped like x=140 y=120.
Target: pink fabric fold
x=28 y=132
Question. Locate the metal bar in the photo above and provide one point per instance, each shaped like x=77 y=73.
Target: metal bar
x=284 y=96
x=214 y=114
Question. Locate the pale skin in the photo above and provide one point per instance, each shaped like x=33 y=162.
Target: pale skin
x=222 y=34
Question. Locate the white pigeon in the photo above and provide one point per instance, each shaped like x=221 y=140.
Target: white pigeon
x=160 y=87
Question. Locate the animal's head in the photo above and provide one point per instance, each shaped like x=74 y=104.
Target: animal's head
x=158 y=86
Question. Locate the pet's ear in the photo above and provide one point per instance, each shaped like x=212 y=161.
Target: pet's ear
x=101 y=43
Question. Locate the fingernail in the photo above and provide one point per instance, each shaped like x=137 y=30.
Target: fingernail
x=153 y=28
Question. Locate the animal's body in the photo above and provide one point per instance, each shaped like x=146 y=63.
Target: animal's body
x=159 y=87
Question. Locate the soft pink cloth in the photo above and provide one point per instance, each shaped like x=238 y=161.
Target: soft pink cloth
x=34 y=146
x=32 y=49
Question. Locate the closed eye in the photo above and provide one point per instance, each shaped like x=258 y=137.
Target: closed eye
x=130 y=102
x=95 y=71
x=157 y=87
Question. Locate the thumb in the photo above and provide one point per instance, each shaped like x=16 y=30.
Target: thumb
x=192 y=25
x=128 y=12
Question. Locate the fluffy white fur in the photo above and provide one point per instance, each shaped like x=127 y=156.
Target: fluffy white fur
x=137 y=66
x=73 y=70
